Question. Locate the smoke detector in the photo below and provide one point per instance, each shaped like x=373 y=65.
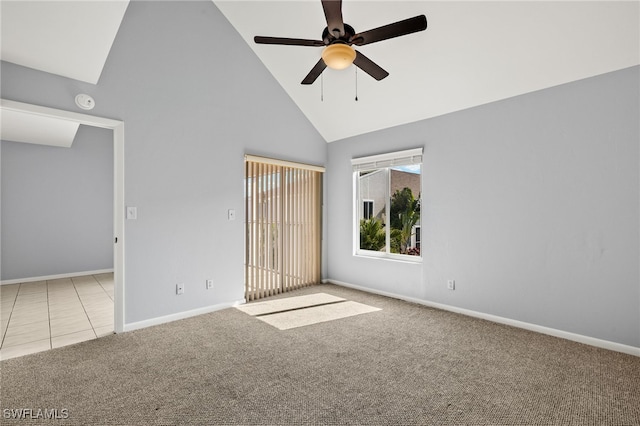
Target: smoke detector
x=85 y=101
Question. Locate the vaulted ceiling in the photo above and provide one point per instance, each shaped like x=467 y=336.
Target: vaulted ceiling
x=472 y=53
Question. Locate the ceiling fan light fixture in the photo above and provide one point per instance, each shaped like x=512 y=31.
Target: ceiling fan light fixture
x=338 y=56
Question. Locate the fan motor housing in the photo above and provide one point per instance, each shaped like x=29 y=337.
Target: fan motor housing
x=329 y=38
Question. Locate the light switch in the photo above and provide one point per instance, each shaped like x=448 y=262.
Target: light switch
x=132 y=213
x=231 y=214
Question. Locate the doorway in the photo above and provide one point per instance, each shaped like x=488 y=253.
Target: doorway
x=117 y=128
x=283 y=228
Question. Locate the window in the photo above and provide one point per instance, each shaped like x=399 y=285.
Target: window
x=387 y=196
x=367 y=209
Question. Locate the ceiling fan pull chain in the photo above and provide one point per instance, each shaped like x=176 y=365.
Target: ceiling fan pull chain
x=322 y=87
x=356 y=84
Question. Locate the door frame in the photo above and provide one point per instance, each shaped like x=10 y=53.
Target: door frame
x=117 y=127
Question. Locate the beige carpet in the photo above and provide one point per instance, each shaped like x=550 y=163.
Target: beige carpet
x=403 y=365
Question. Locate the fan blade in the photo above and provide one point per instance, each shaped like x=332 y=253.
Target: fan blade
x=370 y=67
x=397 y=29
x=333 y=13
x=288 y=41
x=315 y=72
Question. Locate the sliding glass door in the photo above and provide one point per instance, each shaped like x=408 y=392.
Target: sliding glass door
x=283 y=205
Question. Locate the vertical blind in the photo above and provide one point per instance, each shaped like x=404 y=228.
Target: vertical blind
x=283 y=205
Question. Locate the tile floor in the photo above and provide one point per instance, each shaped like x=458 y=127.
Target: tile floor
x=42 y=315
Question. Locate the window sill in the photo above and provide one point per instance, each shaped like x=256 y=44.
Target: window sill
x=403 y=258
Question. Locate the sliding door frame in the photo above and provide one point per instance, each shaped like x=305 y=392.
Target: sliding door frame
x=290 y=210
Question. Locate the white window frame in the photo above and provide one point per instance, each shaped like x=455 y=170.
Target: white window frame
x=378 y=162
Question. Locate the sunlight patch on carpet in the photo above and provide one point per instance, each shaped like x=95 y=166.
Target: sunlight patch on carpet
x=288 y=303
x=316 y=314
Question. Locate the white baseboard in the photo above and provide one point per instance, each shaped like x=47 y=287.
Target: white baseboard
x=605 y=344
x=55 y=277
x=180 y=315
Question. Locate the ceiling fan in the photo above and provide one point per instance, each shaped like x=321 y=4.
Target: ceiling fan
x=338 y=37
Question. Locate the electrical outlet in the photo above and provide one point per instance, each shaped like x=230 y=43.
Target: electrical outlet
x=180 y=288
x=451 y=284
x=209 y=284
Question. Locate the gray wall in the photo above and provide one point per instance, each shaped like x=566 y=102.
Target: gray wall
x=194 y=99
x=57 y=206
x=531 y=204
